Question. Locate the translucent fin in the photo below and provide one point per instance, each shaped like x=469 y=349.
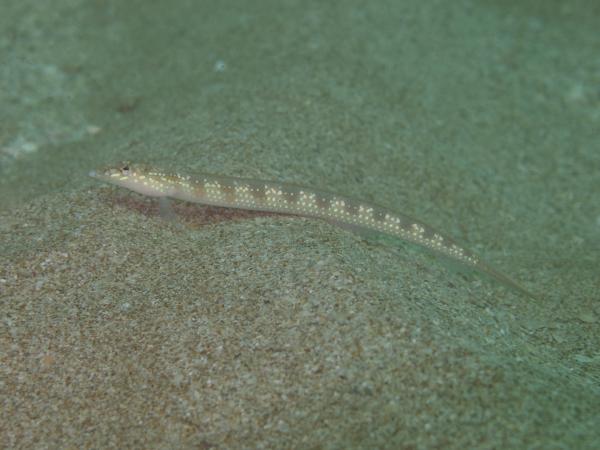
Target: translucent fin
x=165 y=208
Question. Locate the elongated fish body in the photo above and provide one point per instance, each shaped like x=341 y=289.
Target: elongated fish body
x=272 y=196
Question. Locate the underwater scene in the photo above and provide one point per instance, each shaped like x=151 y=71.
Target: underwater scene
x=300 y=224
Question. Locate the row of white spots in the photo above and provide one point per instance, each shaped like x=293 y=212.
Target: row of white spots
x=307 y=202
x=184 y=182
x=277 y=197
x=244 y=196
x=337 y=208
x=274 y=197
x=365 y=215
x=153 y=181
x=416 y=233
x=212 y=190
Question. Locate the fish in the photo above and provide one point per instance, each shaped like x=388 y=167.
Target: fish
x=287 y=198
